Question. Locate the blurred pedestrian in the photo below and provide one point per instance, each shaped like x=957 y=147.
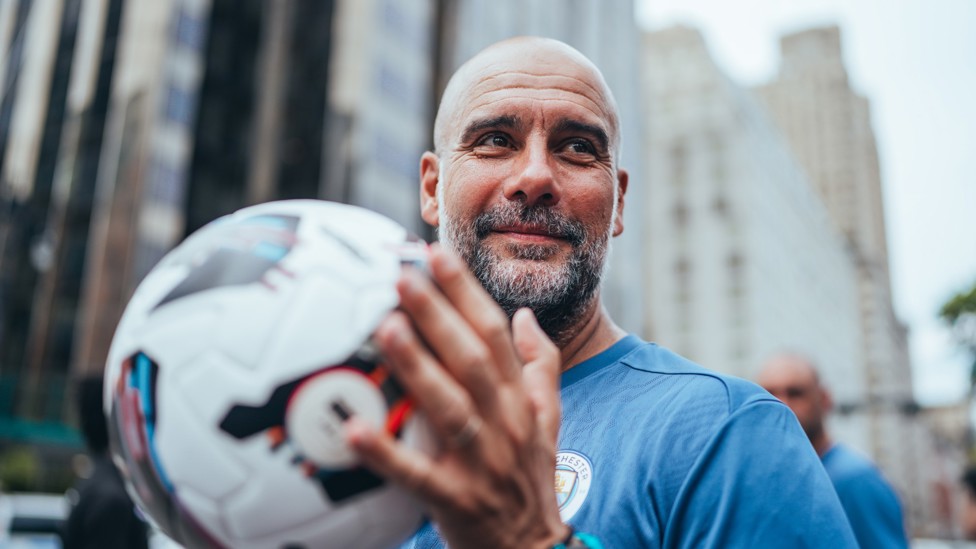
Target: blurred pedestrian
x=969 y=507
x=870 y=502
x=102 y=516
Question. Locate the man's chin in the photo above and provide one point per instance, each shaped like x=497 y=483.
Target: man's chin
x=533 y=267
x=528 y=284
x=540 y=253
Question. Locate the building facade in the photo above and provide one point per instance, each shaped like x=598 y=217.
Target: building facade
x=381 y=105
x=127 y=124
x=743 y=259
x=828 y=125
x=51 y=131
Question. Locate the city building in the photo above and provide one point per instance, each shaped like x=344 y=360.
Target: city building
x=252 y=104
x=382 y=101
x=950 y=432
x=742 y=256
x=828 y=126
x=51 y=130
x=127 y=124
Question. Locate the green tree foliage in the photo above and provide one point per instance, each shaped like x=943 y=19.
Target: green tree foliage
x=960 y=314
x=18 y=470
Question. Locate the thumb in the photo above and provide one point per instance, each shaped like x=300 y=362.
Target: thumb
x=540 y=375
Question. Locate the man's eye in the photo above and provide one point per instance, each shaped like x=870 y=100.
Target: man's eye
x=794 y=392
x=581 y=146
x=495 y=140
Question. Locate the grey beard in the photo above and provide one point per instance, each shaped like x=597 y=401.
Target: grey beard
x=557 y=295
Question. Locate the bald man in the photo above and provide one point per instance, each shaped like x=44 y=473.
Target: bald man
x=968 y=519
x=869 y=501
x=649 y=450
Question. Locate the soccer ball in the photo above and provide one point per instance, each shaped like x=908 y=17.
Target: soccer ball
x=234 y=366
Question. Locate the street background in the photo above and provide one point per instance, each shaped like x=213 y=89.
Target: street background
x=800 y=179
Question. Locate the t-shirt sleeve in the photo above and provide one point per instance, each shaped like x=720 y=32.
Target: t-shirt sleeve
x=874 y=510
x=758 y=483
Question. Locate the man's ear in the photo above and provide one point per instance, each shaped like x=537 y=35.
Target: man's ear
x=623 y=178
x=826 y=399
x=429 y=179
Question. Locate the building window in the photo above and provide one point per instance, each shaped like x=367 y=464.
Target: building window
x=179 y=105
x=733 y=264
x=718 y=158
x=189 y=31
x=720 y=205
x=166 y=184
x=398 y=89
x=408 y=26
x=395 y=158
x=682 y=296
x=682 y=268
x=679 y=214
x=679 y=163
x=682 y=276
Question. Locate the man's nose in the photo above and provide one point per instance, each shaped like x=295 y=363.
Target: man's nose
x=534 y=182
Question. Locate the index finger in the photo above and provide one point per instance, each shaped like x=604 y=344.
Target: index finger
x=482 y=313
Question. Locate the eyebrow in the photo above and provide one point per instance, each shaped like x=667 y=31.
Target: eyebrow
x=506 y=121
x=575 y=126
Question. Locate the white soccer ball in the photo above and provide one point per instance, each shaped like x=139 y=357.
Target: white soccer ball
x=234 y=365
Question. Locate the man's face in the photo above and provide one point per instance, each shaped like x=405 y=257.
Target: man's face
x=798 y=388
x=527 y=189
x=969 y=516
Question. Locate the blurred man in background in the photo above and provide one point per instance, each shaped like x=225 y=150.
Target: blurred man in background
x=969 y=507
x=102 y=515
x=871 y=504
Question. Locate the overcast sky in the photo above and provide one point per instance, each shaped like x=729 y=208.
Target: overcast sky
x=916 y=62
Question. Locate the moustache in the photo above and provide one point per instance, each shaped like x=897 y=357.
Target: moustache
x=552 y=222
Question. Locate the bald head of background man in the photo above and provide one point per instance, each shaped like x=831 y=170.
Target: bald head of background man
x=794 y=380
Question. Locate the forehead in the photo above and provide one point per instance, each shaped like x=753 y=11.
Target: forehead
x=786 y=374
x=530 y=85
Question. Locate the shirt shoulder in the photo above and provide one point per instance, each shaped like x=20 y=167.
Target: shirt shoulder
x=844 y=463
x=698 y=381
x=642 y=387
x=871 y=504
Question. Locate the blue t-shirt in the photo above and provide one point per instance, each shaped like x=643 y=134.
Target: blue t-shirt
x=655 y=451
x=868 y=499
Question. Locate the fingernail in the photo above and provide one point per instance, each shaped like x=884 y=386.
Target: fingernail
x=527 y=312
x=408 y=283
x=357 y=432
x=446 y=263
x=391 y=330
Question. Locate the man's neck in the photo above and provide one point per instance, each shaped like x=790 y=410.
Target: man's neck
x=822 y=444
x=595 y=334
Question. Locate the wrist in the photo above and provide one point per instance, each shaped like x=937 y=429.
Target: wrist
x=577 y=540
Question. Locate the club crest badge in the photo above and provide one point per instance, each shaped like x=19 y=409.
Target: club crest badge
x=574 y=473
